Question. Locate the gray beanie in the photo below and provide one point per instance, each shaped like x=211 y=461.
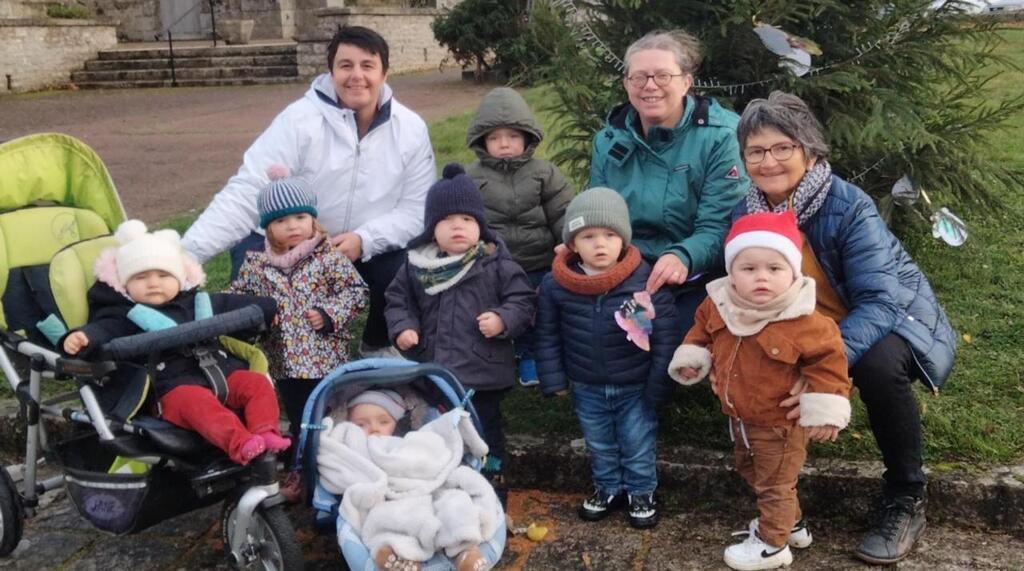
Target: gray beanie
x=387 y=399
x=601 y=207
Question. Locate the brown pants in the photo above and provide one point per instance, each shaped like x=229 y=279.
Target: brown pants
x=769 y=459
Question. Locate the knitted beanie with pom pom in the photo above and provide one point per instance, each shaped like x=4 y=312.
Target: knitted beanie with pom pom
x=142 y=251
x=455 y=193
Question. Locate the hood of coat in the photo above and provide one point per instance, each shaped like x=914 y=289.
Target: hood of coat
x=503 y=107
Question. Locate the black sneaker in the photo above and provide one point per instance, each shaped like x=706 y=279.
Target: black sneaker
x=599 y=505
x=899 y=526
x=643 y=511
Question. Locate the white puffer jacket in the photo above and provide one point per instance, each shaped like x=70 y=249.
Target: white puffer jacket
x=375 y=187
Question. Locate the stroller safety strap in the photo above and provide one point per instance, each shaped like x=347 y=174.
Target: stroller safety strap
x=149 y=319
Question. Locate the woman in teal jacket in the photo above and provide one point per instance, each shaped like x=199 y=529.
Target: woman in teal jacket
x=675 y=159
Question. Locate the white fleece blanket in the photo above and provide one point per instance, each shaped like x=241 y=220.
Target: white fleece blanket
x=410 y=492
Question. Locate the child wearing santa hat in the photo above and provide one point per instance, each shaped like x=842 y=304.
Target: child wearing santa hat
x=149 y=283
x=759 y=336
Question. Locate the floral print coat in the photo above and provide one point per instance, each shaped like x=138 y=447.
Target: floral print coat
x=324 y=280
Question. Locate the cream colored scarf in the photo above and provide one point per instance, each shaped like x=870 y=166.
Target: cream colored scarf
x=744 y=318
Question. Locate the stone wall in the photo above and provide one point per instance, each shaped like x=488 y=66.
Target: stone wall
x=37 y=54
x=138 y=20
x=407 y=31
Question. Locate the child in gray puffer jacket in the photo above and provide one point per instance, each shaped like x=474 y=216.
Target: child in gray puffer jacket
x=524 y=197
x=460 y=299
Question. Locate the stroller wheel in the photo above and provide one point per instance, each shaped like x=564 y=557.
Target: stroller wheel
x=270 y=543
x=11 y=514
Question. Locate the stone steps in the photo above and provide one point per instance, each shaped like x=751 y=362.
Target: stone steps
x=181 y=63
x=194 y=66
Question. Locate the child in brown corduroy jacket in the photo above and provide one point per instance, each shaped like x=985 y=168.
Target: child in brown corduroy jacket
x=759 y=336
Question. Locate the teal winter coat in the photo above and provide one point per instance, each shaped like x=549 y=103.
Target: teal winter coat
x=680 y=184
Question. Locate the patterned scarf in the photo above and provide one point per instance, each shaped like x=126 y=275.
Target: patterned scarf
x=809 y=196
x=437 y=272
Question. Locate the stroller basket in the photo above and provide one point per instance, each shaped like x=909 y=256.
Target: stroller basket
x=122 y=503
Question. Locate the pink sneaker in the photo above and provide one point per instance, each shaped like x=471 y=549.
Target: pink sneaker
x=274 y=441
x=250 y=449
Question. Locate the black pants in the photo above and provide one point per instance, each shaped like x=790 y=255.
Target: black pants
x=377 y=273
x=488 y=408
x=882 y=377
x=294 y=393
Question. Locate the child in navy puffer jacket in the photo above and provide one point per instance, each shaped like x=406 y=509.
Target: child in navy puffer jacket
x=616 y=383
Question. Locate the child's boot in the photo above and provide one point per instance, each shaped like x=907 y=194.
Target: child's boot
x=599 y=505
x=754 y=554
x=274 y=441
x=471 y=560
x=388 y=560
x=643 y=511
x=528 y=373
x=251 y=448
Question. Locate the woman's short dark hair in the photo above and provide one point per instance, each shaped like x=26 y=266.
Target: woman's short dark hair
x=787 y=114
x=363 y=38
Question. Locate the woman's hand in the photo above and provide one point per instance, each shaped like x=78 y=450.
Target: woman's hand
x=407 y=339
x=75 y=342
x=825 y=433
x=350 y=244
x=669 y=269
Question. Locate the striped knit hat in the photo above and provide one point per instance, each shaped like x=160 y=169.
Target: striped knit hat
x=284 y=196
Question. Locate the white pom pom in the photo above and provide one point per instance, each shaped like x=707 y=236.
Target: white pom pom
x=168 y=235
x=130 y=230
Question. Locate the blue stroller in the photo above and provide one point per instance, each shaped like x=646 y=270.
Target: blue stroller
x=429 y=391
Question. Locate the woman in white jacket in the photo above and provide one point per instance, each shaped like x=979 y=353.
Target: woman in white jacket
x=366 y=156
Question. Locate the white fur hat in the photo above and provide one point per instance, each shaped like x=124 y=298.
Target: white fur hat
x=142 y=251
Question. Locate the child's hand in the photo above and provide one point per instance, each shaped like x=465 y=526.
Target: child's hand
x=825 y=433
x=687 y=372
x=316 y=321
x=490 y=324
x=75 y=342
x=407 y=339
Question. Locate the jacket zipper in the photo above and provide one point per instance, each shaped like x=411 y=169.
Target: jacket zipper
x=597 y=337
x=352 y=187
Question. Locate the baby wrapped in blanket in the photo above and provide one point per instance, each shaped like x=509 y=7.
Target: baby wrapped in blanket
x=410 y=496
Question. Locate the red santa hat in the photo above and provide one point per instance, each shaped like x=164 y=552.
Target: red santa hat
x=777 y=232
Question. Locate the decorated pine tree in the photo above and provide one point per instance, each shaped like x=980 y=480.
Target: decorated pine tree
x=900 y=85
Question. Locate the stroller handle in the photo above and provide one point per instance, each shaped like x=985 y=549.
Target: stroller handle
x=133 y=346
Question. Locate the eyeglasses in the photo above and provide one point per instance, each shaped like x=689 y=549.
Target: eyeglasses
x=779 y=151
x=661 y=79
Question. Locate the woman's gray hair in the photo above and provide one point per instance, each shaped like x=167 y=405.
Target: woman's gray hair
x=684 y=47
x=787 y=114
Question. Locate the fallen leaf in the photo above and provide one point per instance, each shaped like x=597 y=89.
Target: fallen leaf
x=967 y=338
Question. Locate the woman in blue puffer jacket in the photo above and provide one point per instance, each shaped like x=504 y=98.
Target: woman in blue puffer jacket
x=892 y=324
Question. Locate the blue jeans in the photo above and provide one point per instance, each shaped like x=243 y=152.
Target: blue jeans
x=621 y=434
x=524 y=343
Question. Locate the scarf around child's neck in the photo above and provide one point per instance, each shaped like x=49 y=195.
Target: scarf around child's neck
x=583 y=284
x=437 y=271
x=745 y=318
x=287 y=260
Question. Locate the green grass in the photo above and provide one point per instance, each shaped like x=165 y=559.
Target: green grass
x=976 y=418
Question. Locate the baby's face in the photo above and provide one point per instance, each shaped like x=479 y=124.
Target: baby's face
x=374 y=420
x=154 y=287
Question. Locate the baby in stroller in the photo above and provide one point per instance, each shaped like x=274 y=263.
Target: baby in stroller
x=408 y=495
x=148 y=283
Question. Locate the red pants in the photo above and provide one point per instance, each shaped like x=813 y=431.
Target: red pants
x=196 y=408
